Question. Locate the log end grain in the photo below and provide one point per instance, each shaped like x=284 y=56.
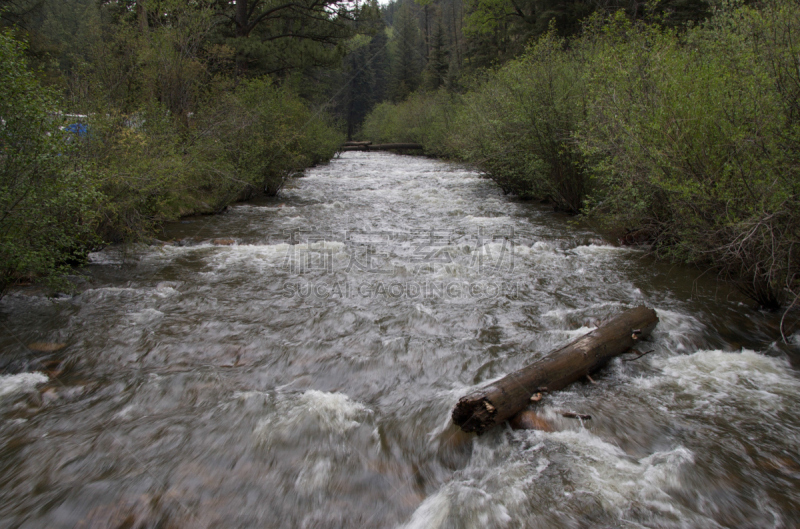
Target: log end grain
x=474 y=414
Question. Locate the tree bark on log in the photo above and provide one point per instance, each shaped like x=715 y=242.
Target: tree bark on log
x=390 y=146
x=504 y=398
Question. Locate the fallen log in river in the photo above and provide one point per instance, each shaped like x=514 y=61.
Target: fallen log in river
x=382 y=147
x=503 y=399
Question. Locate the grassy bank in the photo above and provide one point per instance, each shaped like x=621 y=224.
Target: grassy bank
x=687 y=139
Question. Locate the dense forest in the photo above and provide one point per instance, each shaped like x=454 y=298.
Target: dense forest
x=675 y=123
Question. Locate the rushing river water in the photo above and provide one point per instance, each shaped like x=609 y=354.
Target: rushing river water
x=294 y=361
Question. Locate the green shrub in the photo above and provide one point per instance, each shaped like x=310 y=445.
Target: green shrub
x=688 y=137
x=259 y=135
x=518 y=125
x=240 y=143
x=425 y=118
x=48 y=203
x=143 y=171
x=694 y=137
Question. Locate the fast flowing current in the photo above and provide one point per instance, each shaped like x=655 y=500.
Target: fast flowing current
x=293 y=362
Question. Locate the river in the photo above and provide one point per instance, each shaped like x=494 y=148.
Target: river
x=292 y=363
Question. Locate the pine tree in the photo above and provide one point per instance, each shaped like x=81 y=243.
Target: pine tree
x=406 y=57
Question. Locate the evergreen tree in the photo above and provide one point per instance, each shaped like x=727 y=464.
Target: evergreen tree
x=406 y=56
x=280 y=36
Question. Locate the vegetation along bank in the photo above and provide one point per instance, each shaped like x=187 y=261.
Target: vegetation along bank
x=681 y=135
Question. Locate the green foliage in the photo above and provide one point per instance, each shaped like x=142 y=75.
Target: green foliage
x=406 y=55
x=499 y=30
x=688 y=138
x=518 y=126
x=244 y=142
x=438 y=60
x=695 y=138
x=361 y=82
x=47 y=203
x=170 y=132
x=259 y=135
x=279 y=37
x=425 y=118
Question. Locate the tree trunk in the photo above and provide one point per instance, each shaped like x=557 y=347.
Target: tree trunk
x=504 y=398
x=141 y=13
x=242 y=30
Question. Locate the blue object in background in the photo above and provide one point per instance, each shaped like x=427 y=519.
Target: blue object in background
x=77 y=128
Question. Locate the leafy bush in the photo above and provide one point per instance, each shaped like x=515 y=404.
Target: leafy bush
x=62 y=194
x=694 y=138
x=240 y=143
x=261 y=134
x=518 y=125
x=48 y=204
x=141 y=171
x=425 y=117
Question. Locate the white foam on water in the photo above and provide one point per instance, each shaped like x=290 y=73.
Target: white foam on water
x=166 y=289
x=21 y=382
x=542 y=255
x=485 y=494
x=561 y=315
x=298 y=218
x=419 y=307
x=543 y=246
x=718 y=382
x=503 y=482
x=574 y=333
x=677 y=324
x=619 y=482
x=431 y=514
x=248 y=208
x=488 y=220
x=277 y=255
x=595 y=250
x=102 y=292
x=145 y=316
x=169 y=251
x=127 y=412
x=247 y=395
x=333 y=413
x=496 y=253
x=314 y=476
x=105 y=257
